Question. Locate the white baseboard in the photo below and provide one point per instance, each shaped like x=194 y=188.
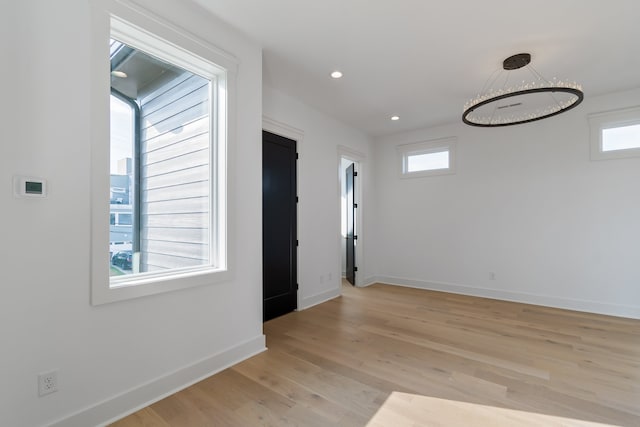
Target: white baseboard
x=143 y=395
x=368 y=281
x=308 y=302
x=629 y=311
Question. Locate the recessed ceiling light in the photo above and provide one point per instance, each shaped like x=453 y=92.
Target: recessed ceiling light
x=120 y=74
x=394 y=118
x=336 y=74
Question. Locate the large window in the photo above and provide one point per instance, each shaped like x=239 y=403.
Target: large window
x=167 y=167
x=615 y=134
x=160 y=163
x=436 y=157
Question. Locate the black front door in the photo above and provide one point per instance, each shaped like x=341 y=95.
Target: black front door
x=279 y=240
x=351 y=229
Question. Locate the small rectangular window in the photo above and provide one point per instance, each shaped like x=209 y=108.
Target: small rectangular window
x=615 y=134
x=621 y=138
x=125 y=219
x=427 y=161
x=427 y=158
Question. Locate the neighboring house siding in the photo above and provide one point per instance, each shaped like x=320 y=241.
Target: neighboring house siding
x=174 y=165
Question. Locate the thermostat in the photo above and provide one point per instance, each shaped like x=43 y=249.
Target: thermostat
x=28 y=186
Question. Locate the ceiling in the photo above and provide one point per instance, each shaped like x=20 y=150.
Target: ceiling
x=422 y=60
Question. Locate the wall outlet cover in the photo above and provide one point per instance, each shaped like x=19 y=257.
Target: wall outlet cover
x=47 y=383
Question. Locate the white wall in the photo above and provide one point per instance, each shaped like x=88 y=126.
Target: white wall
x=46 y=321
x=527 y=204
x=319 y=261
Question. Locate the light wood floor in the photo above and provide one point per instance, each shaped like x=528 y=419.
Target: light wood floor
x=391 y=356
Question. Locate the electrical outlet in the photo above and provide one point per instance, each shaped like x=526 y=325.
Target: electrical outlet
x=47 y=383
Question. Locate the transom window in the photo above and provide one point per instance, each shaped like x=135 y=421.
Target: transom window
x=621 y=138
x=427 y=158
x=427 y=161
x=615 y=134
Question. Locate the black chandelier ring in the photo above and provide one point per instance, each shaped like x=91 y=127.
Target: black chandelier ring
x=576 y=92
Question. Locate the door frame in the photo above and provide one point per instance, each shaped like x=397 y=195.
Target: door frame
x=283 y=129
x=359 y=159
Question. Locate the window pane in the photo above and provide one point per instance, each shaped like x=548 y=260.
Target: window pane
x=122 y=121
x=121 y=182
x=427 y=161
x=125 y=219
x=621 y=138
x=164 y=206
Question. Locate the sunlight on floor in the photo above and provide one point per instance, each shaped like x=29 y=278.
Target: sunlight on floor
x=404 y=409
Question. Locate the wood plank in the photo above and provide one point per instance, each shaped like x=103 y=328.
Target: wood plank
x=181 y=162
x=184 y=205
x=194 y=235
x=392 y=356
x=188 y=130
x=189 y=145
x=165 y=86
x=173 y=106
x=176 y=192
x=175 y=122
x=181 y=220
x=178 y=249
x=164 y=261
x=177 y=89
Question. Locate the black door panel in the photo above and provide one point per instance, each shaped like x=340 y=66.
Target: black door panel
x=279 y=252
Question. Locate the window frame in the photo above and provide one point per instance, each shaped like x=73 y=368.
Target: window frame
x=426 y=147
x=141 y=29
x=135 y=202
x=598 y=122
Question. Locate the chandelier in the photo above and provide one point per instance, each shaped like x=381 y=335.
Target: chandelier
x=520 y=103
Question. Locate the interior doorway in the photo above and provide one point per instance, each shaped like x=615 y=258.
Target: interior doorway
x=350 y=224
x=279 y=225
x=350 y=177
